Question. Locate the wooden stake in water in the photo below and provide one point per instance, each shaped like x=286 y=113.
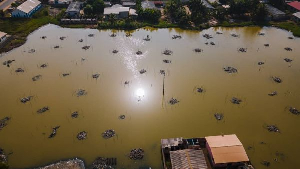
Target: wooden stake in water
x=164 y=86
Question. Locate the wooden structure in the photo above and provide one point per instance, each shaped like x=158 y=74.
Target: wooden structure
x=214 y=152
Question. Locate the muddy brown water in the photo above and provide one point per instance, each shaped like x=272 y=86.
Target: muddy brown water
x=149 y=117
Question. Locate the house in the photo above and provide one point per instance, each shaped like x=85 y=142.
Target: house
x=27 y=9
x=129 y=4
x=274 y=13
x=120 y=11
x=60 y=2
x=296 y=17
x=294 y=6
x=148 y=5
x=73 y=9
x=204 y=2
x=2 y=37
x=226 y=150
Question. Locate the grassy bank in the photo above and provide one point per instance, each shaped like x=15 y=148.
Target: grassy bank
x=20 y=28
x=288 y=25
x=122 y=24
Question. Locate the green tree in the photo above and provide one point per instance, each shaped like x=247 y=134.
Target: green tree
x=88 y=10
x=172 y=8
x=2 y=14
x=151 y=15
x=278 y=3
x=14 y=5
x=198 y=10
x=259 y=13
x=98 y=6
x=112 y=19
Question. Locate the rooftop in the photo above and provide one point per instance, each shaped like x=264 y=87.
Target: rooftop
x=226 y=149
x=295 y=4
x=274 y=11
x=188 y=158
x=297 y=14
x=74 y=7
x=28 y=5
x=148 y=4
x=115 y=9
x=2 y=34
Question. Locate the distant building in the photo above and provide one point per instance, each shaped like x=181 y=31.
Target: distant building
x=205 y=3
x=226 y=150
x=274 y=13
x=129 y=4
x=59 y=2
x=107 y=4
x=296 y=17
x=120 y=11
x=73 y=9
x=294 y=6
x=148 y=5
x=2 y=37
x=27 y=9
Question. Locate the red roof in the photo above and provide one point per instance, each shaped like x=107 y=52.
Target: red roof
x=295 y=4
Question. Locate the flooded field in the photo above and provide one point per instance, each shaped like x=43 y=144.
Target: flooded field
x=89 y=89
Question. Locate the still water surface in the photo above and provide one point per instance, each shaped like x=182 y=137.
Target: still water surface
x=149 y=116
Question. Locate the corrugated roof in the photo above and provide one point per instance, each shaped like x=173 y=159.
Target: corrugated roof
x=274 y=11
x=148 y=4
x=2 y=34
x=188 y=158
x=74 y=7
x=226 y=149
x=115 y=9
x=171 y=142
x=295 y=4
x=28 y=5
x=297 y=14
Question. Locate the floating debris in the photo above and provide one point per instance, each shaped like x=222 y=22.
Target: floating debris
x=230 y=69
x=44 y=37
x=207 y=36
x=266 y=45
x=136 y=154
x=294 y=110
x=36 y=78
x=56 y=47
x=288 y=49
x=122 y=117
x=167 y=52
x=265 y=163
x=206 y=43
x=167 y=61
x=96 y=76
x=139 y=52
x=74 y=114
x=53 y=132
x=143 y=71
x=288 y=60
x=31 y=51
x=43 y=110
x=272 y=128
x=147 y=38
x=212 y=43
x=197 y=50
x=200 y=90
x=273 y=93
x=113 y=35
x=82 y=135
x=163 y=72
x=261 y=63
x=277 y=79
x=65 y=74
x=242 y=49
x=3 y=157
x=173 y=101
x=115 y=51
x=26 y=99
x=128 y=35
x=108 y=134
x=62 y=38
x=104 y=163
x=235 y=100
x=81 y=92
x=261 y=34
x=219 y=116
x=176 y=37
x=290 y=37
x=19 y=70
x=235 y=35
x=80 y=40
x=8 y=62
x=86 y=47
x=43 y=65
x=219 y=33
x=126 y=82
x=91 y=35
x=3 y=123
